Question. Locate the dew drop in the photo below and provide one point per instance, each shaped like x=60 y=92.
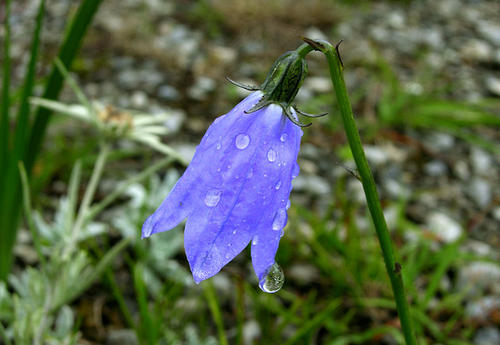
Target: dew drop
x=279 y=220
x=295 y=170
x=242 y=141
x=219 y=145
x=288 y=204
x=271 y=155
x=255 y=240
x=282 y=232
x=277 y=185
x=273 y=279
x=234 y=232
x=212 y=198
x=283 y=137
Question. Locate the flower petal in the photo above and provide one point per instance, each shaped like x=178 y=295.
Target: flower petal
x=226 y=219
x=179 y=203
x=277 y=161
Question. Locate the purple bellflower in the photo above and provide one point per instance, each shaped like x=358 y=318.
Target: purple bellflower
x=236 y=189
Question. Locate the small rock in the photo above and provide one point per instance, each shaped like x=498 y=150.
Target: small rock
x=251 y=331
x=481 y=161
x=435 y=168
x=480 y=191
x=493 y=85
x=201 y=88
x=315 y=34
x=396 y=20
x=478 y=277
x=376 y=155
x=490 y=31
x=481 y=309
x=139 y=99
x=444 y=227
x=461 y=169
x=487 y=336
x=311 y=184
x=303 y=273
x=318 y=84
x=440 y=142
x=476 y=50
x=122 y=337
x=168 y=93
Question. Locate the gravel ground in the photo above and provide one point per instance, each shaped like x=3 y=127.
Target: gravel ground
x=152 y=56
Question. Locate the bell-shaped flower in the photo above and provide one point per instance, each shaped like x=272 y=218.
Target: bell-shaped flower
x=236 y=189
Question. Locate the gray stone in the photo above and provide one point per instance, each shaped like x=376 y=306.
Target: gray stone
x=480 y=191
x=493 y=85
x=445 y=228
x=122 y=337
x=487 y=336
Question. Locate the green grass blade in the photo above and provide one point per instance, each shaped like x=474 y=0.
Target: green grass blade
x=213 y=304
x=24 y=107
x=69 y=48
x=4 y=107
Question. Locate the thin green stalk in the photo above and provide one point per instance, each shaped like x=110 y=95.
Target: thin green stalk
x=5 y=247
x=393 y=268
x=209 y=291
x=69 y=48
x=4 y=106
x=27 y=210
x=88 y=196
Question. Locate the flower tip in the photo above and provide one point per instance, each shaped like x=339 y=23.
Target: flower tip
x=147 y=228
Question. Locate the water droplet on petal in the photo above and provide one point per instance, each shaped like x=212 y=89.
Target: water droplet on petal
x=277 y=185
x=273 y=279
x=255 y=240
x=279 y=220
x=282 y=232
x=288 y=204
x=212 y=198
x=234 y=232
x=271 y=155
x=242 y=141
x=283 y=137
x=219 y=145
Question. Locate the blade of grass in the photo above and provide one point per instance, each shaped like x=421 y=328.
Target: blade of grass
x=5 y=248
x=27 y=211
x=209 y=291
x=70 y=46
x=147 y=329
x=10 y=204
x=314 y=323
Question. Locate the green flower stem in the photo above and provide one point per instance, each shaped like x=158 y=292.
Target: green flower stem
x=393 y=268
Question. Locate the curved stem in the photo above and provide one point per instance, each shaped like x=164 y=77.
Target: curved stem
x=393 y=268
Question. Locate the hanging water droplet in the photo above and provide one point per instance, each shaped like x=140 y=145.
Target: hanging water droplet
x=283 y=137
x=212 y=198
x=295 y=170
x=255 y=240
x=273 y=279
x=279 y=220
x=242 y=141
x=277 y=185
x=288 y=204
x=282 y=232
x=271 y=155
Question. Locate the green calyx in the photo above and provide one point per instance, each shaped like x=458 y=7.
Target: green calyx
x=282 y=84
x=285 y=78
